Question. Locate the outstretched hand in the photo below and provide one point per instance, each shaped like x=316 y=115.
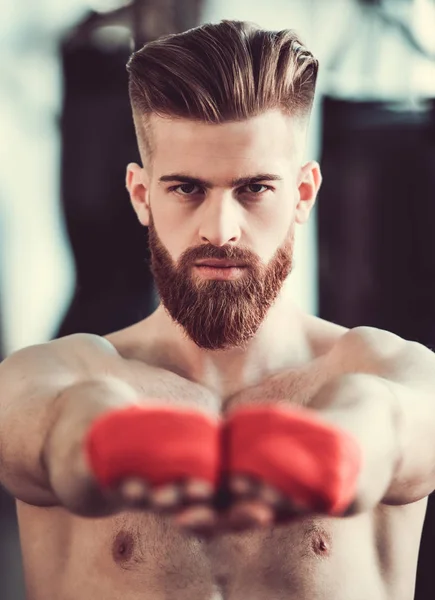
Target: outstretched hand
x=261 y=466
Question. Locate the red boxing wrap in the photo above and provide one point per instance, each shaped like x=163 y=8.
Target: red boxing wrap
x=316 y=465
x=161 y=445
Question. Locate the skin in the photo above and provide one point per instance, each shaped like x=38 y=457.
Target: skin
x=215 y=211
x=370 y=383
x=269 y=143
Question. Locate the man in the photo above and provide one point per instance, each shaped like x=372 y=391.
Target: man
x=235 y=446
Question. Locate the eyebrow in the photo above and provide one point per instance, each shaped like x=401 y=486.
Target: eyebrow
x=180 y=177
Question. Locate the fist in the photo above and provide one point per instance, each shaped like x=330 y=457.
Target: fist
x=261 y=466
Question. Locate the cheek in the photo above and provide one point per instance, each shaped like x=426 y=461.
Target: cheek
x=169 y=238
x=172 y=238
x=273 y=230
x=167 y=225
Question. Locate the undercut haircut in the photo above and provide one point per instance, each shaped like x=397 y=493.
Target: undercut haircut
x=217 y=73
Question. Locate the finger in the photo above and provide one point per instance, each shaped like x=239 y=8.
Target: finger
x=271 y=496
x=249 y=514
x=201 y=520
x=195 y=490
x=283 y=508
x=134 y=490
x=166 y=497
x=243 y=486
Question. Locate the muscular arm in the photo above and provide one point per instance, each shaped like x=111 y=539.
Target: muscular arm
x=73 y=430
x=386 y=400
x=33 y=384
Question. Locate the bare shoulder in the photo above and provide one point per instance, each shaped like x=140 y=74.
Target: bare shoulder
x=377 y=342
x=64 y=358
x=71 y=345
x=372 y=350
x=373 y=340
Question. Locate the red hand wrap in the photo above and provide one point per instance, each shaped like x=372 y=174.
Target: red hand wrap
x=313 y=463
x=161 y=445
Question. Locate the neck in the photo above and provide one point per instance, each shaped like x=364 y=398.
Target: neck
x=281 y=342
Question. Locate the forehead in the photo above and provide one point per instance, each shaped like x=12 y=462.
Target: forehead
x=264 y=143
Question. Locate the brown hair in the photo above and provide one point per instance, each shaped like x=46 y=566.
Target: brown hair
x=221 y=72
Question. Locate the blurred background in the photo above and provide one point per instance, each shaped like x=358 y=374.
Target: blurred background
x=74 y=258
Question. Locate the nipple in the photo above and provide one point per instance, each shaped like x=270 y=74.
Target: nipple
x=320 y=542
x=123 y=546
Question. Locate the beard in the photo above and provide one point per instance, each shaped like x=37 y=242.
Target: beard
x=215 y=314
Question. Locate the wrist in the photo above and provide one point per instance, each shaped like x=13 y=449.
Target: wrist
x=364 y=406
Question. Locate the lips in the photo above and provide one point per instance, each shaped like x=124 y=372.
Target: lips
x=219 y=264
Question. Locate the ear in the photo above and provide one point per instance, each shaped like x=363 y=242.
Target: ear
x=309 y=182
x=137 y=183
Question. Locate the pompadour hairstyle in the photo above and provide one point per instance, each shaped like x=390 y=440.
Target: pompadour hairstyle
x=222 y=72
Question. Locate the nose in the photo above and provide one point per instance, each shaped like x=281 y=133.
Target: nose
x=220 y=221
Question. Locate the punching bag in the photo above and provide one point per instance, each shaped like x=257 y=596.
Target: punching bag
x=114 y=286
x=376 y=217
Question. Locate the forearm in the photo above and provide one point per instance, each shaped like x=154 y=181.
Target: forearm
x=62 y=454
x=42 y=425
x=364 y=406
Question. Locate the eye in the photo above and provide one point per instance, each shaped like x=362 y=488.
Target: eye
x=256 y=189
x=185 y=189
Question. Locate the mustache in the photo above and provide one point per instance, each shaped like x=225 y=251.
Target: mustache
x=219 y=253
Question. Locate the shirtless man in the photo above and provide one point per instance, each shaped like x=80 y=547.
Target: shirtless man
x=229 y=446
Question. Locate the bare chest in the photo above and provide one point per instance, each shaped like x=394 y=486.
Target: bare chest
x=313 y=558
x=142 y=556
